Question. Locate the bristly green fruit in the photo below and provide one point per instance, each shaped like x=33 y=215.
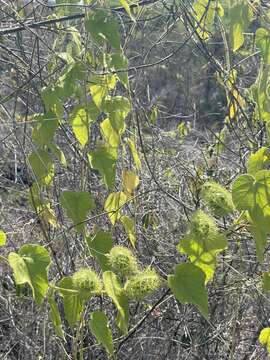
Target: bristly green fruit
x=87 y=282
x=142 y=284
x=202 y=225
x=122 y=261
x=217 y=198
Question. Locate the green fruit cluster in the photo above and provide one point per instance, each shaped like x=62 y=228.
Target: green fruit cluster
x=87 y=282
x=142 y=284
x=217 y=198
x=122 y=261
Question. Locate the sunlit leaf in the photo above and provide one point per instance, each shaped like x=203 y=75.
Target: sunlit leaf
x=129 y=226
x=113 y=205
x=130 y=181
x=258 y=161
x=80 y=125
x=135 y=154
x=240 y=16
x=3 y=238
x=264 y=338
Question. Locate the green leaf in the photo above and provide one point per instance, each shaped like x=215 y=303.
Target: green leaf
x=119 y=63
x=56 y=318
x=3 y=238
x=99 y=326
x=77 y=205
x=102 y=26
x=153 y=115
x=252 y=193
x=45 y=129
x=135 y=154
x=113 y=204
x=260 y=96
x=58 y=153
x=187 y=284
x=42 y=166
x=117 y=108
x=100 y=87
x=116 y=293
x=73 y=303
x=262 y=40
x=258 y=230
x=110 y=134
x=30 y=266
x=266 y=281
x=125 y=5
x=99 y=246
x=130 y=181
x=67 y=82
x=103 y=159
x=258 y=161
x=204 y=15
x=52 y=102
x=200 y=256
x=129 y=226
x=264 y=338
x=80 y=125
x=240 y=17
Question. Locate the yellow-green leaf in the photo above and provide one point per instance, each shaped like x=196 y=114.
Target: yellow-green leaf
x=129 y=226
x=130 y=181
x=3 y=238
x=264 y=338
x=80 y=125
x=113 y=205
x=135 y=154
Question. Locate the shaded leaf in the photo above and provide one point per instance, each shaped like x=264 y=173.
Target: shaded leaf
x=77 y=205
x=30 y=266
x=262 y=40
x=73 y=303
x=55 y=317
x=116 y=293
x=42 y=166
x=103 y=159
x=99 y=326
x=187 y=284
x=102 y=26
x=99 y=246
